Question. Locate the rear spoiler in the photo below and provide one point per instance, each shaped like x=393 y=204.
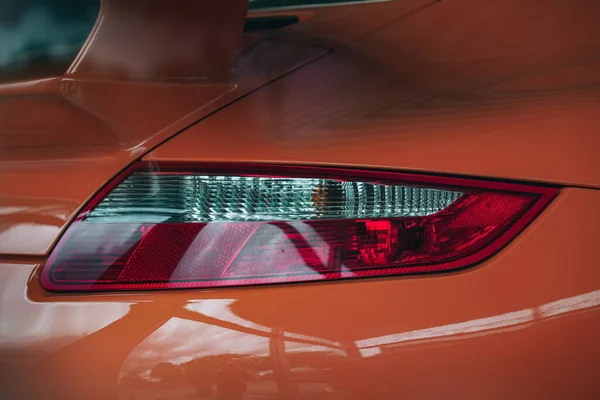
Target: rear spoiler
x=162 y=40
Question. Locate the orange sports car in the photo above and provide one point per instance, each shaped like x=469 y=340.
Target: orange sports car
x=284 y=199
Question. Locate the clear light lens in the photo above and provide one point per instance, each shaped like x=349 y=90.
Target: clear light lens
x=147 y=197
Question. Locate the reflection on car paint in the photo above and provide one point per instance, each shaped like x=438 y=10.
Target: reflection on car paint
x=210 y=348
x=173 y=346
x=492 y=324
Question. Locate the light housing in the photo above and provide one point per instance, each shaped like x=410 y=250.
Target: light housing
x=181 y=225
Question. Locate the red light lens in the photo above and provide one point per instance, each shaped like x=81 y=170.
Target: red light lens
x=149 y=230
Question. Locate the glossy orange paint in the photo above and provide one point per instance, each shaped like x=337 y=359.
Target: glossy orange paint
x=469 y=101
x=496 y=89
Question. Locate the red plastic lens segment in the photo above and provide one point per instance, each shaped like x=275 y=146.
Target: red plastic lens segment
x=182 y=226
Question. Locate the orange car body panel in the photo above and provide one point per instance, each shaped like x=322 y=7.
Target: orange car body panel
x=499 y=89
x=520 y=105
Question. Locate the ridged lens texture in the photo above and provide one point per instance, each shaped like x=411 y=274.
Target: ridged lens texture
x=171 y=230
x=147 y=197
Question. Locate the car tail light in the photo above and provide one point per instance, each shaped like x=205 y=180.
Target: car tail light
x=173 y=226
